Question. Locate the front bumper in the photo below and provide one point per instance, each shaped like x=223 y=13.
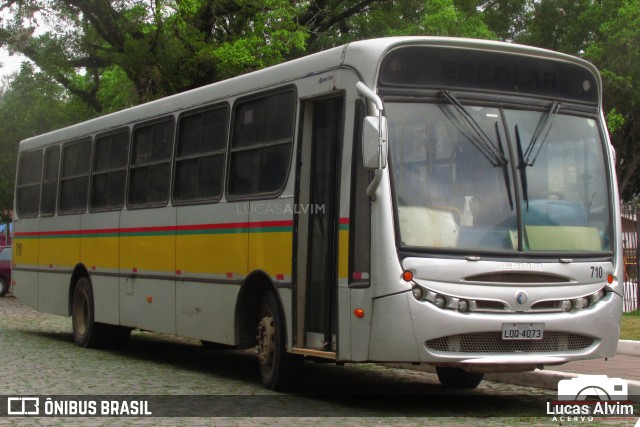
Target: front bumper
x=473 y=341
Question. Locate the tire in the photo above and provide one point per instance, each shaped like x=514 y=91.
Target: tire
x=4 y=287
x=458 y=378
x=86 y=331
x=277 y=367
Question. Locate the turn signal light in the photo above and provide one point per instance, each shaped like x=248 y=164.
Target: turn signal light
x=407 y=276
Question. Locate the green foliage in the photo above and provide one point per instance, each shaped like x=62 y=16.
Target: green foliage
x=630 y=326
x=442 y=18
x=615 y=120
x=269 y=40
x=116 y=90
x=409 y=17
x=557 y=25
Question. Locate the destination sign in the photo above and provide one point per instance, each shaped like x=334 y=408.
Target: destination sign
x=439 y=67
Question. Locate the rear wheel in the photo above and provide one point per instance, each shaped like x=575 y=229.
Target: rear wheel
x=86 y=331
x=277 y=367
x=4 y=287
x=458 y=378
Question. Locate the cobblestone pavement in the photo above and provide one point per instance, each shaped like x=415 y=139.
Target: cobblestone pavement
x=40 y=359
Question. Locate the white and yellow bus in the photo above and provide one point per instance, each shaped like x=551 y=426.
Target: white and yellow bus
x=416 y=199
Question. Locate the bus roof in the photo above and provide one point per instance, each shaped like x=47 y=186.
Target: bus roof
x=362 y=56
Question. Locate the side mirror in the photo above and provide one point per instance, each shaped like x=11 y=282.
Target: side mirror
x=374 y=142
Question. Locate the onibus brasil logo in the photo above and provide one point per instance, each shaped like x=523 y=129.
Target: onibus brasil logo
x=588 y=396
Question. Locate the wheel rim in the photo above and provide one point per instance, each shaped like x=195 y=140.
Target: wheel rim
x=81 y=314
x=266 y=344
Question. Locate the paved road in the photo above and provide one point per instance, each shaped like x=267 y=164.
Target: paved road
x=40 y=359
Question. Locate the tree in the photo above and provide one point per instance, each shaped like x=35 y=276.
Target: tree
x=408 y=17
x=152 y=48
x=558 y=25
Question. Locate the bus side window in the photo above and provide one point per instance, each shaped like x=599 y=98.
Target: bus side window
x=28 y=188
x=261 y=144
x=109 y=171
x=200 y=155
x=50 y=181
x=74 y=179
x=150 y=171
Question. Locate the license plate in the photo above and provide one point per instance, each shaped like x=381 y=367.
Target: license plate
x=522 y=331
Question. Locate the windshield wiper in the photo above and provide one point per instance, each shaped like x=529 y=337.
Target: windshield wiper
x=544 y=126
x=538 y=139
x=522 y=166
x=505 y=169
x=477 y=136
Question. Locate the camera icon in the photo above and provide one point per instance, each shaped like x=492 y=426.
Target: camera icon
x=593 y=387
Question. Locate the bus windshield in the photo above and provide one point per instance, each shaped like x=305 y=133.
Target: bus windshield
x=464 y=174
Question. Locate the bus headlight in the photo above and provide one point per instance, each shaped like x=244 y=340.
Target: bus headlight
x=463 y=306
x=418 y=292
x=597 y=296
x=581 y=303
x=566 y=306
x=440 y=301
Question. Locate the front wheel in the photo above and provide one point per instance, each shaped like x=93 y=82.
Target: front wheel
x=458 y=378
x=277 y=367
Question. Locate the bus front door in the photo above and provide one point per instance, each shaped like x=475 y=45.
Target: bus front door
x=317 y=231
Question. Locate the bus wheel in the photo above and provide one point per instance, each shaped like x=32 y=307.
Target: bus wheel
x=277 y=367
x=458 y=378
x=4 y=287
x=86 y=332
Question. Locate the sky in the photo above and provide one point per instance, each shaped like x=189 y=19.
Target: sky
x=9 y=64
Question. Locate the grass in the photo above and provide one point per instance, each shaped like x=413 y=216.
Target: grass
x=630 y=326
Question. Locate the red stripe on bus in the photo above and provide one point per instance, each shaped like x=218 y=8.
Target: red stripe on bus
x=228 y=225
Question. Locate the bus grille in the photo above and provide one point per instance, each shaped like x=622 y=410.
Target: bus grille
x=492 y=342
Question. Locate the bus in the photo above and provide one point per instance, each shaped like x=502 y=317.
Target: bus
x=442 y=201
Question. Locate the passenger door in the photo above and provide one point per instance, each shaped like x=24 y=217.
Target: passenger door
x=317 y=226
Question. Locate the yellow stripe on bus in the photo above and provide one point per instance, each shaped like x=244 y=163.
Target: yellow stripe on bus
x=237 y=253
